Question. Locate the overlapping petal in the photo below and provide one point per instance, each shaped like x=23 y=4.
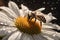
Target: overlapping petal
x=4 y=30
x=14 y=7
x=16 y=35
x=5 y=19
x=8 y=12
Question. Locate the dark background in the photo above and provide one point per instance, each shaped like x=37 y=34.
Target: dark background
x=50 y=5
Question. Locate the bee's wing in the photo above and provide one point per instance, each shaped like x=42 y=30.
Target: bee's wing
x=41 y=18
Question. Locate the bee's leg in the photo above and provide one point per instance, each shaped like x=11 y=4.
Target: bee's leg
x=35 y=20
x=40 y=23
x=29 y=17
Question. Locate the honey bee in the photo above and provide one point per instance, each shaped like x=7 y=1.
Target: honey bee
x=39 y=17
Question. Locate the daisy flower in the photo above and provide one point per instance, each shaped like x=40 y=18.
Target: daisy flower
x=17 y=27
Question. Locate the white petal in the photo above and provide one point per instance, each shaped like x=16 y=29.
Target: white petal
x=39 y=37
x=58 y=35
x=22 y=13
x=51 y=34
x=50 y=25
x=24 y=7
x=26 y=37
x=8 y=12
x=48 y=31
x=50 y=14
x=6 y=30
x=49 y=17
x=3 y=33
x=48 y=38
x=41 y=9
x=46 y=26
x=7 y=36
x=57 y=26
x=4 y=17
x=6 y=22
x=13 y=36
x=51 y=37
x=14 y=7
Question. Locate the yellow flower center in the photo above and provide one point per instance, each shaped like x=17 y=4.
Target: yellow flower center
x=30 y=27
